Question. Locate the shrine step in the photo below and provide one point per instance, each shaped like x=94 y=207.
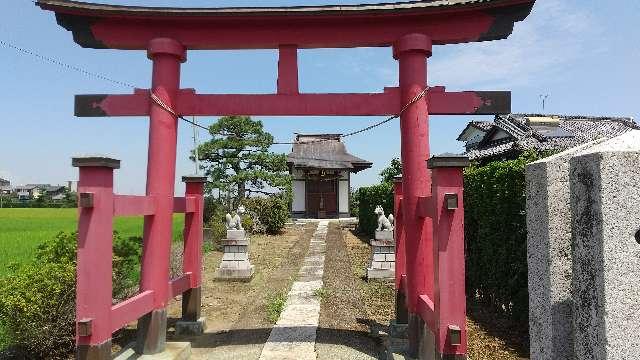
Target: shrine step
x=173 y=351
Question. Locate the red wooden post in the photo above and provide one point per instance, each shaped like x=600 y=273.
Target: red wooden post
x=94 y=267
x=401 y=268
x=412 y=52
x=192 y=260
x=448 y=233
x=166 y=54
x=288 y=70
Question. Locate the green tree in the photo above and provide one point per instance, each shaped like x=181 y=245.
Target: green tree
x=237 y=158
x=390 y=172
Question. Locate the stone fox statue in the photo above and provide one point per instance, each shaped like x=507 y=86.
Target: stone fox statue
x=384 y=223
x=235 y=222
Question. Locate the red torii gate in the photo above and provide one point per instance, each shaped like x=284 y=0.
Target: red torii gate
x=430 y=277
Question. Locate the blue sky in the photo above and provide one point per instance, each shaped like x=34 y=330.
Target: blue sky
x=583 y=53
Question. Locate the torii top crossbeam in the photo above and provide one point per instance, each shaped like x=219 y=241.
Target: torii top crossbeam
x=331 y=26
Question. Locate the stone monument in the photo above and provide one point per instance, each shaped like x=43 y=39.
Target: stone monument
x=584 y=252
x=235 y=265
x=383 y=246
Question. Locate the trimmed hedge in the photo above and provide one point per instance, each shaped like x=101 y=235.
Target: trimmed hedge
x=368 y=198
x=496 y=236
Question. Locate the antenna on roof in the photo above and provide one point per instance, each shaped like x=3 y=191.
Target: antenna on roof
x=544 y=100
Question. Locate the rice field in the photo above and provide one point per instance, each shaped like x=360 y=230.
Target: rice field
x=22 y=230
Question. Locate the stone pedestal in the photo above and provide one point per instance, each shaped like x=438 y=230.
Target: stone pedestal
x=583 y=253
x=549 y=256
x=605 y=196
x=235 y=265
x=383 y=258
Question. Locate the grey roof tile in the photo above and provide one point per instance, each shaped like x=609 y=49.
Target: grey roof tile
x=583 y=129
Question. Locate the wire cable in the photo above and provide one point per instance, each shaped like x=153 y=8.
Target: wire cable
x=167 y=108
x=64 y=65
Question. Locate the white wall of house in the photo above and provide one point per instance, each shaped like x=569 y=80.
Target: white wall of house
x=299 y=192
x=343 y=192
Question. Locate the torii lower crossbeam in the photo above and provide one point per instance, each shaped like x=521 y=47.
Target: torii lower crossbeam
x=358 y=104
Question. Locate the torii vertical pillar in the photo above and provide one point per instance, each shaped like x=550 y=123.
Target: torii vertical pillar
x=412 y=51
x=166 y=54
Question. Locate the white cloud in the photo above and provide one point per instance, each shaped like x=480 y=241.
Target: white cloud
x=557 y=33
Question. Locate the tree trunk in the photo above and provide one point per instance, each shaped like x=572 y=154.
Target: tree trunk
x=241 y=191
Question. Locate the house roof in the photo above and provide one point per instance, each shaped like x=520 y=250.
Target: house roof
x=532 y=132
x=54 y=188
x=324 y=151
x=480 y=125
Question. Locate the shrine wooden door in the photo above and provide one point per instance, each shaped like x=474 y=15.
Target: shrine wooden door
x=322 y=198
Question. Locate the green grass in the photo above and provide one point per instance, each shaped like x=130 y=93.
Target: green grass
x=22 y=230
x=275 y=305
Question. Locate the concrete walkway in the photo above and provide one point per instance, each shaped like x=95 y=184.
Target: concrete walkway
x=294 y=335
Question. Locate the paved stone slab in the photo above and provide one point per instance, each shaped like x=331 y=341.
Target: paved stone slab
x=294 y=335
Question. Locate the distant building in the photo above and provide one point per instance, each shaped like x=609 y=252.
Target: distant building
x=510 y=135
x=26 y=192
x=321 y=168
x=5 y=187
x=56 y=192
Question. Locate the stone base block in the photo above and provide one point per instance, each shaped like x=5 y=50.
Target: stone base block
x=173 y=351
x=381 y=274
x=94 y=352
x=228 y=274
x=231 y=242
x=236 y=234
x=398 y=330
x=382 y=243
x=191 y=327
x=383 y=265
x=384 y=235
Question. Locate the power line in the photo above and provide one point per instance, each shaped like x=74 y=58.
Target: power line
x=158 y=101
x=63 y=64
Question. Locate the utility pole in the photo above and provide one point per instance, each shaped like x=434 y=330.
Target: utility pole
x=544 y=100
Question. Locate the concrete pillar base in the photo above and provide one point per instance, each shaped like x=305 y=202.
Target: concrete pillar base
x=402 y=313
x=191 y=327
x=152 y=333
x=414 y=334
x=428 y=350
x=94 y=352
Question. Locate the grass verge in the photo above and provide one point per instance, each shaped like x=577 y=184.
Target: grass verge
x=275 y=306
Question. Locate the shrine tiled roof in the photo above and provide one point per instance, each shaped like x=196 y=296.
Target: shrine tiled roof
x=518 y=134
x=324 y=151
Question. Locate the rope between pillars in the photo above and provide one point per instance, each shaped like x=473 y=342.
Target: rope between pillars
x=416 y=98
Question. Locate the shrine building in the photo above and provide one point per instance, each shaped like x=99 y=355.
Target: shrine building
x=321 y=169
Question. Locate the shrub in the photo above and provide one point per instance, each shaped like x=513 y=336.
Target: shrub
x=217 y=225
x=368 y=198
x=37 y=308
x=272 y=211
x=127 y=253
x=495 y=235
x=37 y=300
